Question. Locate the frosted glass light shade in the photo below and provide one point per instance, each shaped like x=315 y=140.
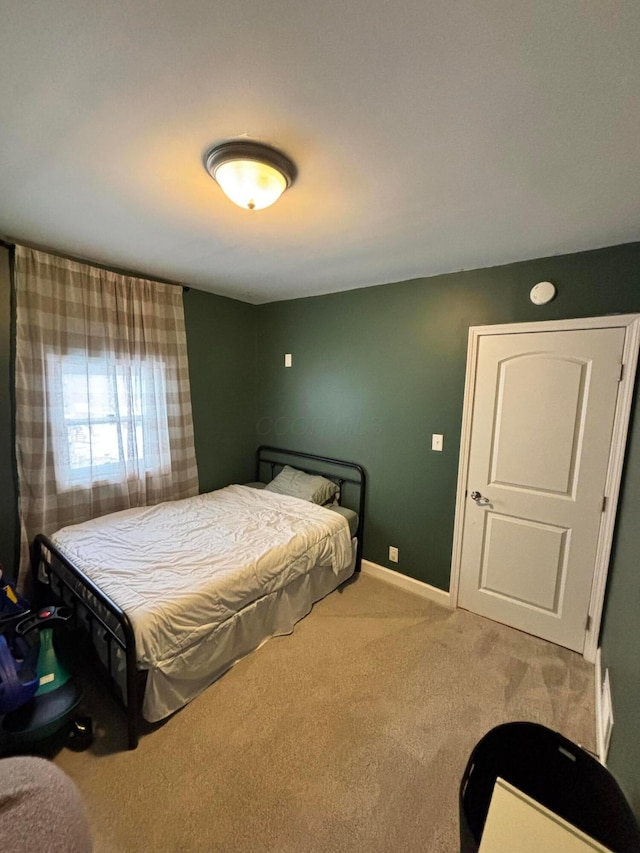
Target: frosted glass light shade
x=250 y=184
x=251 y=174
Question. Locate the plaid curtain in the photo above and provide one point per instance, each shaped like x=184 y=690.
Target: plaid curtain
x=103 y=405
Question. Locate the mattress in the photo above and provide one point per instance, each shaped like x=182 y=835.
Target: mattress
x=349 y=514
x=206 y=579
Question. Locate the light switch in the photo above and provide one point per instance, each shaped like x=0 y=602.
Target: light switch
x=436 y=441
x=288 y=359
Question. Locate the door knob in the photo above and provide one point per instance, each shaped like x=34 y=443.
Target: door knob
x=476 y=496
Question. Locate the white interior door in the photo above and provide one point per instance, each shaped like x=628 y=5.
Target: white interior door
x=542 y=421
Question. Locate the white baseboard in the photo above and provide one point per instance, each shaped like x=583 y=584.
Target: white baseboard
x=604 y=709
x=599 y=720
x=425 y=590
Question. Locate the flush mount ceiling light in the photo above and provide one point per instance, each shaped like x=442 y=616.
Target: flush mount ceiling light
x=251 y=174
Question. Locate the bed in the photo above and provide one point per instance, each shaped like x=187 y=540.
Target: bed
x=173 y=595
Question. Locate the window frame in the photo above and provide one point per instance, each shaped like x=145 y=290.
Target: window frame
x=155 y=457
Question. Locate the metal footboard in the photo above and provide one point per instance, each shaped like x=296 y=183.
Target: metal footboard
x=70 y=586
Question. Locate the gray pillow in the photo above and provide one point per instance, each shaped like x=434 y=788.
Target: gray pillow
x=307 y=487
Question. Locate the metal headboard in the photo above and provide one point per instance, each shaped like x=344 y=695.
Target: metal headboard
x=275 y=458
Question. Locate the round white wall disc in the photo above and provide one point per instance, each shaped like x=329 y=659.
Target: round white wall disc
x=542 y=293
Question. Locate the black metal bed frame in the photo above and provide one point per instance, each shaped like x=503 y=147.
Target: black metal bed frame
x=66 y=583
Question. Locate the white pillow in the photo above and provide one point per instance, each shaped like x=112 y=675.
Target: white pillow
x=307 y=487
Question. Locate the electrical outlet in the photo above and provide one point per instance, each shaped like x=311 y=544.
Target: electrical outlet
x=393 y=554
x=288 y=359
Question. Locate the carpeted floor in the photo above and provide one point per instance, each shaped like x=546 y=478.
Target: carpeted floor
x=349 y=735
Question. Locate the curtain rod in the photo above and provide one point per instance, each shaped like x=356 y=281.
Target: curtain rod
x=11 y=244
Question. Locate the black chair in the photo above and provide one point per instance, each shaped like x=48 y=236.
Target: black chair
x=554 y=772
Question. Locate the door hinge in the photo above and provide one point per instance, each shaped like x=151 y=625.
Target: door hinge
x=587 y=624
x=604 y=503
x=621 y=373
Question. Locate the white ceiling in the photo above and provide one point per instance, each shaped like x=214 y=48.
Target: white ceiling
x=430 y=135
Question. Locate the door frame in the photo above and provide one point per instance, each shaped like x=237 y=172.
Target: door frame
x=631 y=324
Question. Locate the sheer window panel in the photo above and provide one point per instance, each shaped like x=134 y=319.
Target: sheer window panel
x=108 y=419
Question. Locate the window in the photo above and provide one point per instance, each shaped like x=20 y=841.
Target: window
x=102 y=399
x=108 y=418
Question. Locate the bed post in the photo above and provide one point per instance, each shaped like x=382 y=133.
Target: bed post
x=360 y=530
x=132 y=698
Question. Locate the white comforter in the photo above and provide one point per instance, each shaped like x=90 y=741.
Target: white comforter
x=182 y=568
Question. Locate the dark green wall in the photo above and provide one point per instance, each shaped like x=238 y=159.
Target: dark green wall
x=377 y=371
x=8 y=508
x=221 y=343
x=620 y=639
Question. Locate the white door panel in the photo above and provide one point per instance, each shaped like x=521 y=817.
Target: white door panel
x=542 y=549
x=521 y=422
x=542 y=422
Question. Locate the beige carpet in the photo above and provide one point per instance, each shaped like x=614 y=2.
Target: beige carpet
x=349 y=735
